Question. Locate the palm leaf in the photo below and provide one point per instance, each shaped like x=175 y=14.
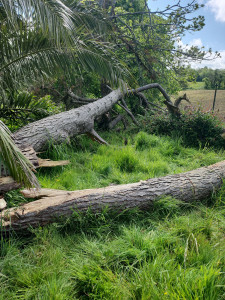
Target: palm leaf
x=51 y=16
x=27 y=56
x=14 y=160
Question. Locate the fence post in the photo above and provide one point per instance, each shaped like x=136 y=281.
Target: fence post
x=214 y=101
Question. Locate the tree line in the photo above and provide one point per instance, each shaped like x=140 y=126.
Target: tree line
x=212 y=78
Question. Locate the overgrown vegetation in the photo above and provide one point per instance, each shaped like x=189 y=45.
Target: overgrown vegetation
x=195 y=127
x=144 y=157
x=173 y=251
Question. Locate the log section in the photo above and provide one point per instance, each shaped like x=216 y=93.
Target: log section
x=190 y=186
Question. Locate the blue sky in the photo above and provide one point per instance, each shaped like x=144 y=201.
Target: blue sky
x=211 y=36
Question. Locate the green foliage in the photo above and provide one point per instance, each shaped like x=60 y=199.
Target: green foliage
x=210 y=78
x=144 y=157
x=14 y=198
x=120 y=254
x=23 y=108
x=127 y=161
x=145 y=141
x=58 y=41
x=41 y=39
x=11 y=158
x=195 y=85
x=195 y=127
x=172 y=251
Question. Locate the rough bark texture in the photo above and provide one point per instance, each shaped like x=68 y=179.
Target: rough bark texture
x=62 y=126
x=80 y=120
x=114 y=122
x=7 y=184
x=190 y=186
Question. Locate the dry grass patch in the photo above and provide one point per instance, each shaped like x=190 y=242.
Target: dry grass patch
x=204 y=98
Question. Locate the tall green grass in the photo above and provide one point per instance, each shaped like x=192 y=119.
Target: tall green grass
x=196 y=85
x=144 y=157
x=173 y=251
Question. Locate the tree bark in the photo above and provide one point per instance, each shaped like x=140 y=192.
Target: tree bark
x=114 y=122
x=190 y=186
x=7 y=183
x=61 y=127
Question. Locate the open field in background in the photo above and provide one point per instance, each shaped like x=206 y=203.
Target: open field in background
x=204 y=98
x=196 y=85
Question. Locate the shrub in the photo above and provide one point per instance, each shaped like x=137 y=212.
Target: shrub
x=195 y=127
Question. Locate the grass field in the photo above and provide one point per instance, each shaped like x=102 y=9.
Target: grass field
x=196 y=85
x=204 y=99
x=173 y=251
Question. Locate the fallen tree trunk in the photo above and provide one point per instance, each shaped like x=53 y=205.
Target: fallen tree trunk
x=190 y=186
x=61 y=127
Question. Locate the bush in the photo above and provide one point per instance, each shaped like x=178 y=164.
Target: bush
x=195 y=127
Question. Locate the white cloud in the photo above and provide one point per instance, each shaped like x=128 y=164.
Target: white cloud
x=218 y=8
x=218 y=63
x=196 y=43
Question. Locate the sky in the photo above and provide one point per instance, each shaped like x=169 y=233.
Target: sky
x=211 y=36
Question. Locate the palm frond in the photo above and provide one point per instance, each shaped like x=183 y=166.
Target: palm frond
x=27 y=56
x=14 y=160
x=23 y=107
x=91 y=16
x=99 y=57
x=51 y=16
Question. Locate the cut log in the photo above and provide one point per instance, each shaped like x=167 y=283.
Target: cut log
x=3 y=203
x=7 y=184
x=61 y=127
x=51 y=163
x=190 y=186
